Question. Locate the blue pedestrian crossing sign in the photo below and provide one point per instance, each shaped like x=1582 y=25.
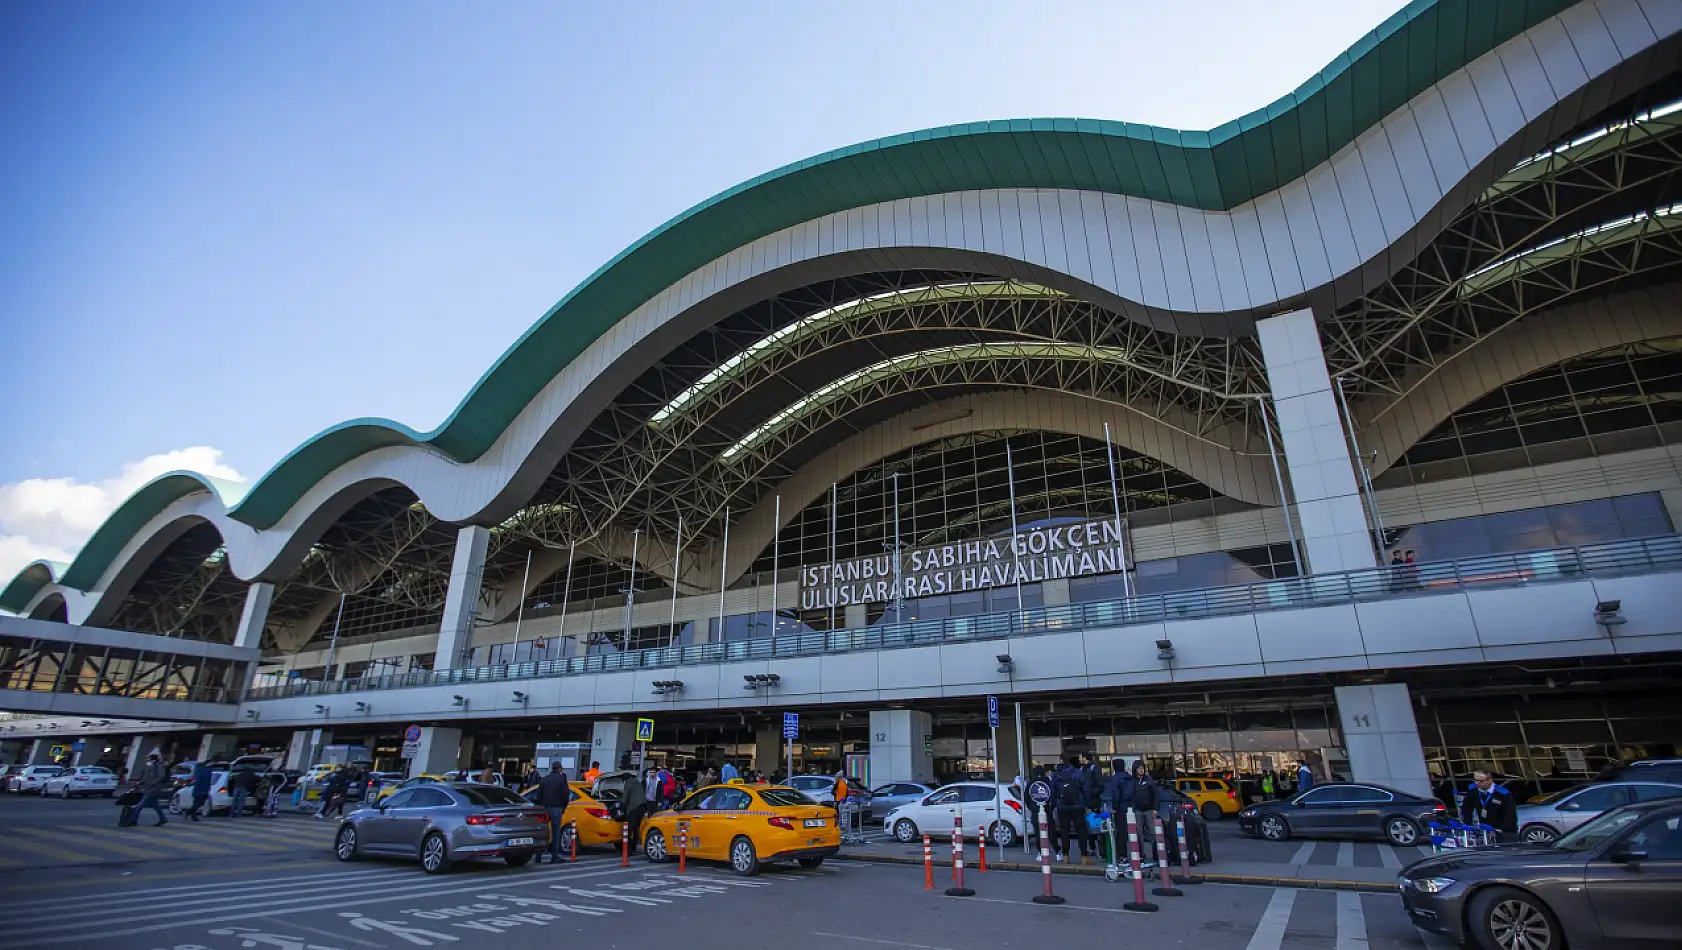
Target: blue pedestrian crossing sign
x=791 y=725
x=993 y=712
x=645 y=730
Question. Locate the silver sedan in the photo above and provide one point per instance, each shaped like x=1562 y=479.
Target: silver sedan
x=444 y=823
x=885 y=798
x=1562 y=812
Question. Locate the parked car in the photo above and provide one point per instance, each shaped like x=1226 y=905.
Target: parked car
x=1214 y=797
x=588 y=817
x=1613 y=882
x=821 y=789
x=976 y=802
x=30 y=778
x=1344 y=809
x=1668 y=771
x=885 y=798
x=422 y=779
x=442 y=824
x=1556 y=814
x=221 y=798
x=82 y=780
x=746 y=825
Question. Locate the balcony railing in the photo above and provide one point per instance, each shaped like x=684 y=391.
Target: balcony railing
x=1529 y=567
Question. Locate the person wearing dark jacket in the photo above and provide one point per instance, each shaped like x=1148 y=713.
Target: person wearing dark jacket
x=152 y=784
x=1092 y=783
x=1487 y=803
x=1143 y=798
x=1068 y=795
x=635 y=803
x=1118 y=791
x=554 y=794
x=202 y=777
x=241 y=784
x=333 y=793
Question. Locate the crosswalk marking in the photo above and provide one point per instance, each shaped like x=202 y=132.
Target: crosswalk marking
x=1270 y=931
x=1303 y=853
x=1346 y=854
x=57 y=852
x=1387 y=857
x=8 y=863
x=101 y=844
x=1351 y=922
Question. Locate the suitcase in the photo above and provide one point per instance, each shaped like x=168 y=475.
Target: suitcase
x=128 y=805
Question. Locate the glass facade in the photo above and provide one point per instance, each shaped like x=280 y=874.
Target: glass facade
x=1583 y=522
x=1614 y=400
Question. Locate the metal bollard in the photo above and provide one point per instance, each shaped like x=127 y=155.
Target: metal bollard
x=624 y=845
x=928 y=865
x=1138 y=902
x=1166 y=888
x=958 y=889
x=1045 y=867
x=682 y=847
x=574 y=827
x=1185 y=852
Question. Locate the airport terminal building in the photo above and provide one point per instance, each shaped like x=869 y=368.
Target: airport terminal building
x=1348 y=432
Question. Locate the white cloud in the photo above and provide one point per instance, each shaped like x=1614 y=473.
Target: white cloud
x=51 y=518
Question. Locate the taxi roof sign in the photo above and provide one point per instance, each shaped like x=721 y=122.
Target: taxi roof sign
x=645 y=730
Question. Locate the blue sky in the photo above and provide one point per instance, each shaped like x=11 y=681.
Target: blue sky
x=228 y=226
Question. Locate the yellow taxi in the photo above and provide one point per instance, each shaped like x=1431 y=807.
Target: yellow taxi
x=746 y=825
x=587 y=814
x=425 y=778
x=1214 y=797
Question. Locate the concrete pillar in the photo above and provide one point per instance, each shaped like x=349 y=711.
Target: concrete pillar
x=254 y=616
x=13 y=751
x=41 y=753
x=900 y=746
x=611 y=740
x=439 y=751
x=1330 y=509
x=93 y=749
x=218 y=745
x=138 y=749
x=1382 y=737
x=464 y=752
x=305 y=747
x=768 y=749
x=461 y=601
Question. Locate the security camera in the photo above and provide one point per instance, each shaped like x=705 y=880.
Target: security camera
x=460 y=701
x=1165 y=649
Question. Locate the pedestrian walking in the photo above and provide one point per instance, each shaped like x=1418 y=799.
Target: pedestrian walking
x=333 y=794
x=1267 y=786
x=153 y=781
x=202 y=777
x=728 y=774
x=1305 y=777
x=554 y=794
x=241 y=784
x=635 y=805
x=594 y=773
x=1069 y=792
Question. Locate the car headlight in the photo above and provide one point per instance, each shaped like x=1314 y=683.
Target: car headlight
x=1433 y=885
x=1247 y=813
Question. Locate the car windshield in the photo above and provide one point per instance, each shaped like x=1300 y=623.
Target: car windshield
x=784 y=796
x=1596 y=832
x=1559 y=795
x=489 y=795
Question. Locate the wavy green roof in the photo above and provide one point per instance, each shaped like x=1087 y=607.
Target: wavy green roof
x=1212 y=170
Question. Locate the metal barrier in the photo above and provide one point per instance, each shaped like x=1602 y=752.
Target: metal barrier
x=1496 y=570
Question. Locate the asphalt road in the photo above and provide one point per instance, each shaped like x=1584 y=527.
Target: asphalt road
x=72 y=879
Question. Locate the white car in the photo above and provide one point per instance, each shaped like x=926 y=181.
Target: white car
x=221 y=799
x=977 y=802
x=31 y=778
x=82 y=780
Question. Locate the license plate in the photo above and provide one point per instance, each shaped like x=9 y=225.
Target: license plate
x=520 y=842
x=816 y=822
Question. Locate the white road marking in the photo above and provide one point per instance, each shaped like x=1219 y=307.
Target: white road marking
x=1346 y=854
x=1303 y=853
x=888 y=943
x=1387 y=856
x=1351 y=922
x=174 y=920
x=1270 y=930
x=151 y=895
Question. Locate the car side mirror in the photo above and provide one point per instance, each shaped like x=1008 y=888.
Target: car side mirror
x=1624 y=854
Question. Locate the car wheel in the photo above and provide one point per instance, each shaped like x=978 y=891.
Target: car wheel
x=1002 y=834
x=345 y=845
x=1538 y=834
x=517 y=860
x=905 y=831
x=744 y=860
x=1402 y=832
x=809 y=863
x=568 y=832
x=64 y=792
x=175 y=805
x=435 y=854
x=1274 y=828
x=1505 y=918
x=654 y=847
x=1210 y=811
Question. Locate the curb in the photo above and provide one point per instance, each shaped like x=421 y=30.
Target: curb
x=1098 y=871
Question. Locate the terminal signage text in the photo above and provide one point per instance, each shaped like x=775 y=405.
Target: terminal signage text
x=1033 y=555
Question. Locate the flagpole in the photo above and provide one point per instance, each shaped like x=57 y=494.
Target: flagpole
x=1115 y=498
x=677 y=556
x=1015 y=558
x=566 y=592
x=834 y=514
x=723 y=573
x=776 y=530
x=631 y=587
x=520 y=616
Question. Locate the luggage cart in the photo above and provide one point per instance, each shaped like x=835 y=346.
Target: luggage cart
x=1115 y=865
x=1458 y=836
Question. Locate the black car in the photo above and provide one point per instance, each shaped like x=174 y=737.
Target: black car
x=1345 y=809
x=1614 y=882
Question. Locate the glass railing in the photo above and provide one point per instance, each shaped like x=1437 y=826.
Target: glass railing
x=1528 y=567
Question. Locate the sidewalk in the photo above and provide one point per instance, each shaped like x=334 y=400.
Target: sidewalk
x=1276 y=874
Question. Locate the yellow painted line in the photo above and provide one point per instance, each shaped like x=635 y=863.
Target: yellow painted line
x=242 y=835
x=101 y=834
x=57 y=853
x=157 y=836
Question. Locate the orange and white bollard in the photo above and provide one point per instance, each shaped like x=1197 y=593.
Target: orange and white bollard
x=958 y=889
x=1045 y=867
x=624 y=845
x=928 y=865
x=981 y=845
x=1185 y=852
x=1166 y=888
x=574 y=827
x=1138 y=902
x=682 y=847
